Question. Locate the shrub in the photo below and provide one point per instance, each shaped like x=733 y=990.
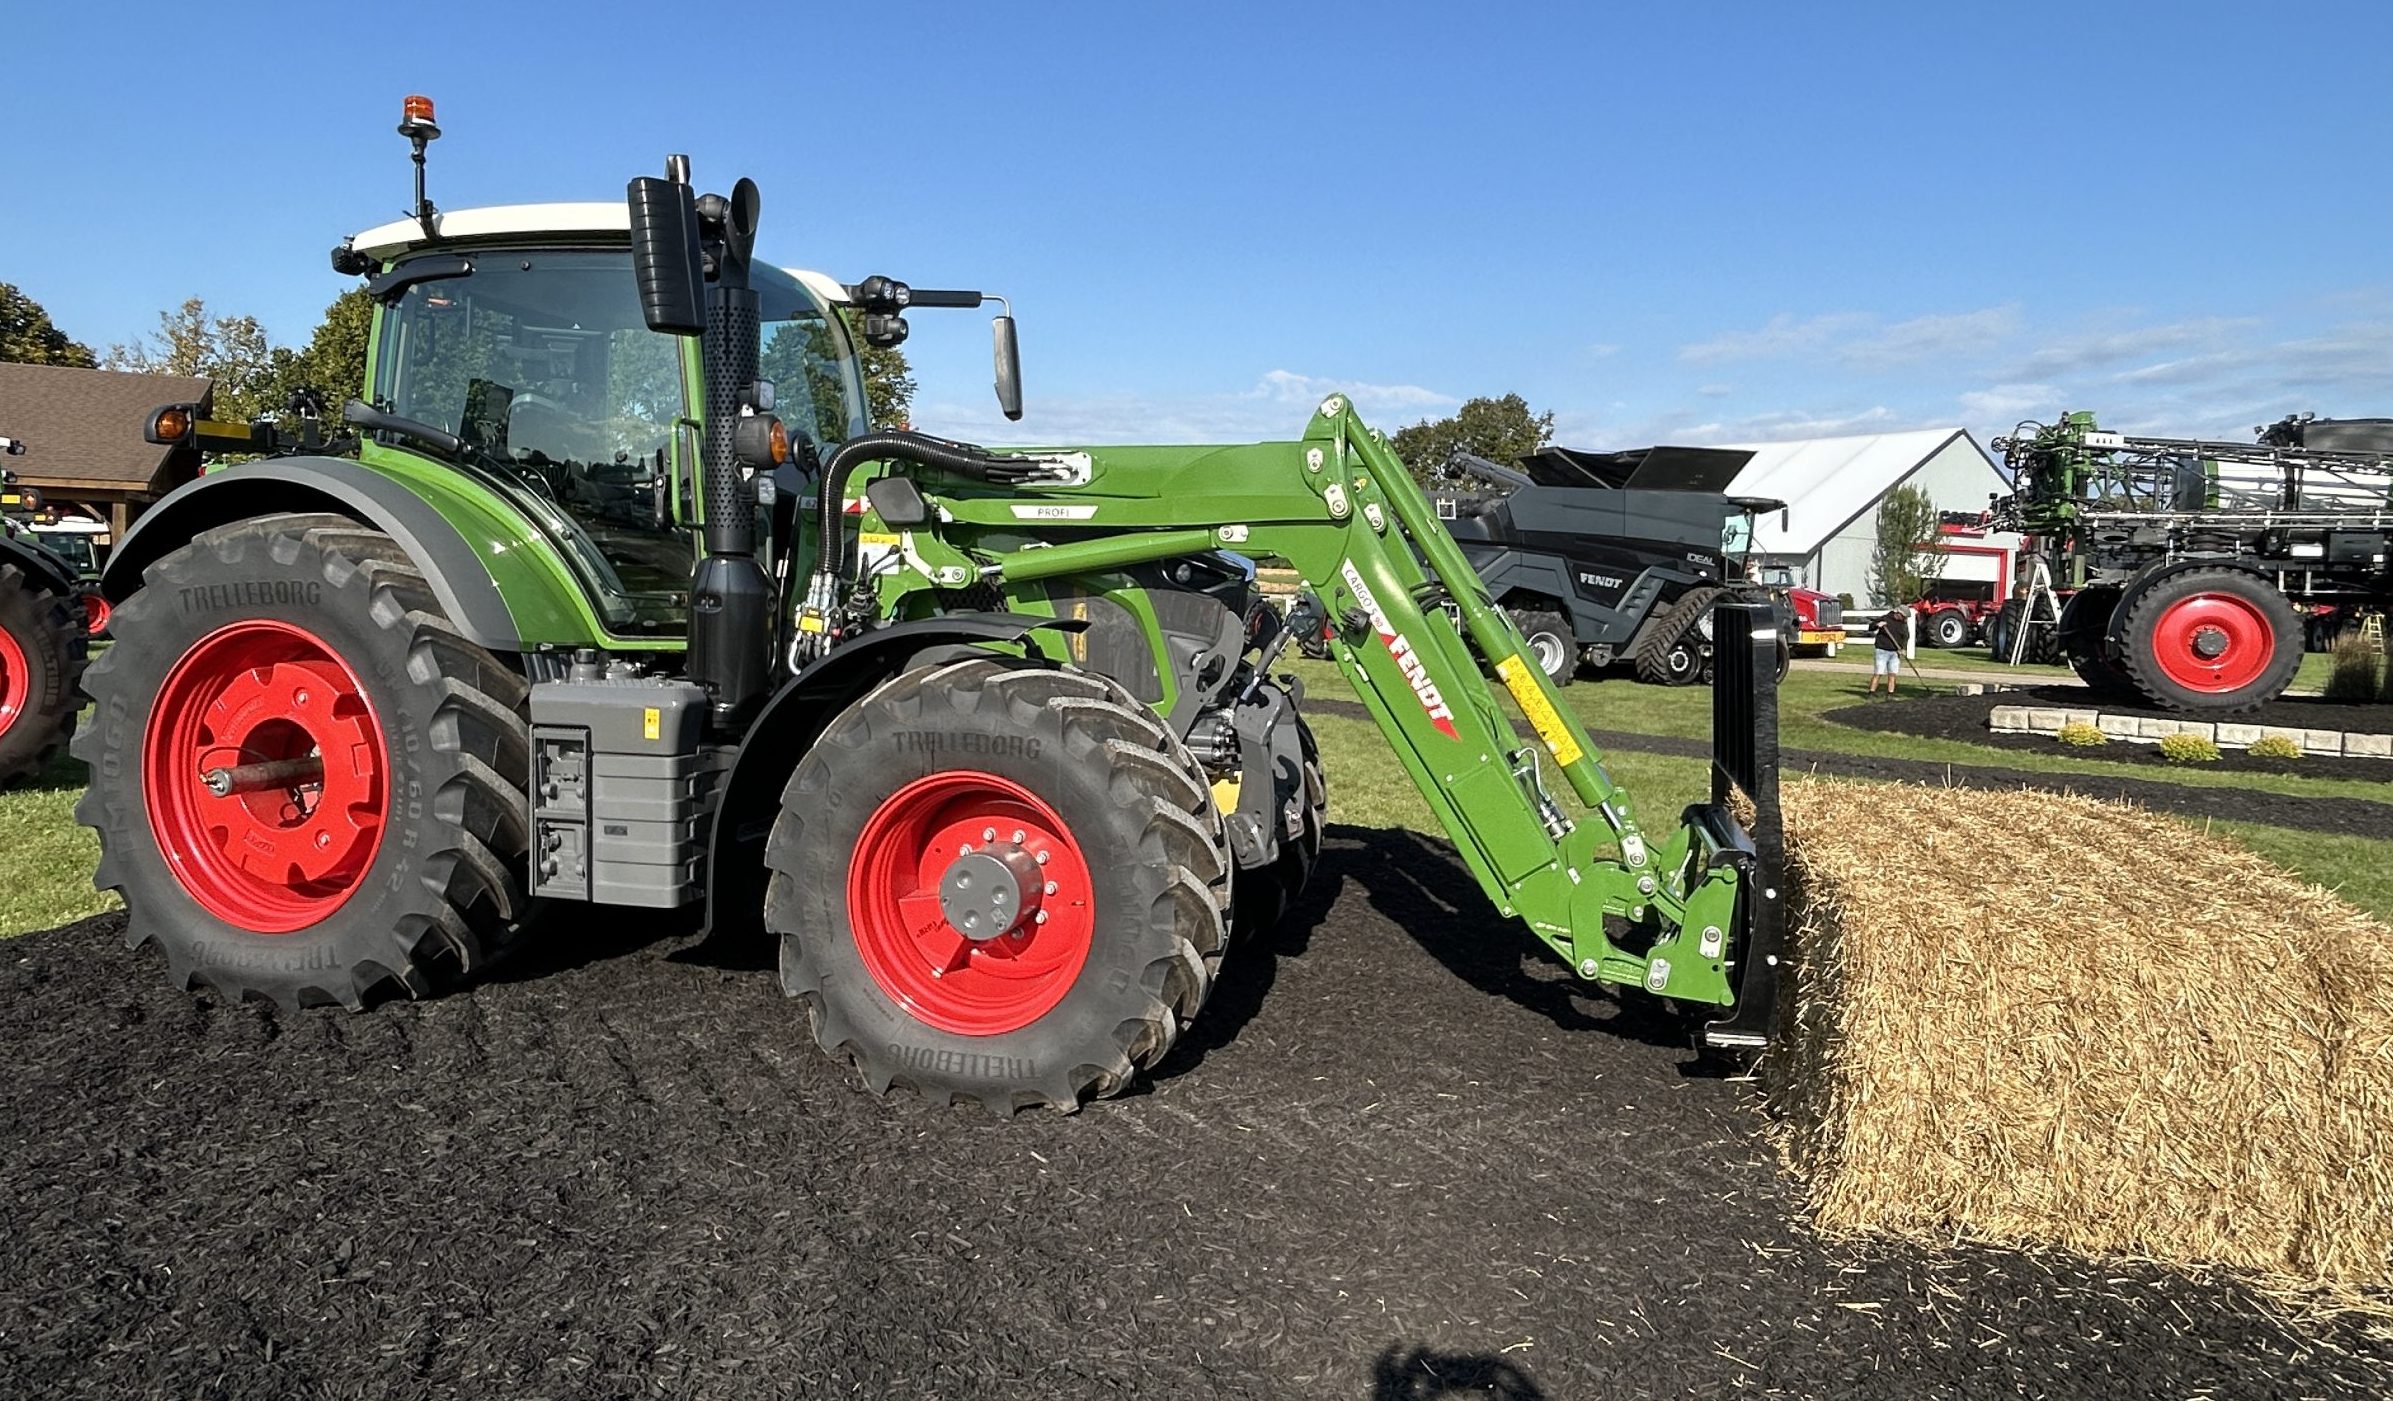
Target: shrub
x=2275 y=747
x=2081 y=734
x=2188 y=749
x=2355 y=675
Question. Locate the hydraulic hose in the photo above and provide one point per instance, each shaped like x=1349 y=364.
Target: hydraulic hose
x=964 y=459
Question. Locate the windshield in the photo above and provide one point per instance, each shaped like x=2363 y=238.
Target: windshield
x=79 y=550
x=541 y=362
x=807 y=354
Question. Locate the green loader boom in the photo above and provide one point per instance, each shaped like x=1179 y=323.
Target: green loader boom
x=1692 y=912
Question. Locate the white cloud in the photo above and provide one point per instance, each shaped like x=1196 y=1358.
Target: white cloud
x=2006 y=404
x=1861 y=339
x=1715 y=391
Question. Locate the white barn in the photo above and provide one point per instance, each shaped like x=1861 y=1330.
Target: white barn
x=1832 y=487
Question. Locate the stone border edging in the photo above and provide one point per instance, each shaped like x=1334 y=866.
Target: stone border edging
x=2147 y=729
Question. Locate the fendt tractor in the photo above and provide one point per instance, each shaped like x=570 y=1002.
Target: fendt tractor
x=606 y=594
x=2171 y=568
x=42 y=644
x=1620 y=556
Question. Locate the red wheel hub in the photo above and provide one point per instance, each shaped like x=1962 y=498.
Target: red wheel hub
x=264 y=772
x=2213 y=643
x=96 y=612
x=971 y=903
x=16 y=681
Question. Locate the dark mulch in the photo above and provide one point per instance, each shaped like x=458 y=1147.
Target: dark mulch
x=1403 y=1157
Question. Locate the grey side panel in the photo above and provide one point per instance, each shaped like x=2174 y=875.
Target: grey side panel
x=1506 y=571
x=38 y=564
x=286 y=484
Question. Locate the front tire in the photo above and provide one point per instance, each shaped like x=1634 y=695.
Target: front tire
x=41 y=664
x=390 y=845
x=998 y=882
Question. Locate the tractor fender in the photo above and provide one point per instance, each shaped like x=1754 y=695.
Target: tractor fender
x=750 y=795
x=456 y=571
x=2114 y=635
x=43 y=568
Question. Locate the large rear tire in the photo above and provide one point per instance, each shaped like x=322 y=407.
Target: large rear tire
x=2209 y=638
x=41 y=665
x=998 y=882
x=305 y=641
x=1671 y=652
x=2085 y=629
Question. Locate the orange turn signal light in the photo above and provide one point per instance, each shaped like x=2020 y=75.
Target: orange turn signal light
x=170 y=425
x=780 y=444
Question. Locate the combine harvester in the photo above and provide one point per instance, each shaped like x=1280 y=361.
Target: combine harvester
x=42 y=644
x=2171 y=569
x=1621 y=556
x=609 y=596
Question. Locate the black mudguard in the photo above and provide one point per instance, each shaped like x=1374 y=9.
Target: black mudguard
x=451 y=564
x=789 y=724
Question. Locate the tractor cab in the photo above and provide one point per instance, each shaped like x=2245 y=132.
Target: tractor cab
x=516 y=334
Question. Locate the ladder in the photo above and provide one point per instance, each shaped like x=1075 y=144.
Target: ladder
x=2041 y=604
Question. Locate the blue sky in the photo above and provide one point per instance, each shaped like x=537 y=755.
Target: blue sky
x=1692 y=222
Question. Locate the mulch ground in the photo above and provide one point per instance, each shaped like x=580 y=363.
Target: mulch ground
x=1402 y=1157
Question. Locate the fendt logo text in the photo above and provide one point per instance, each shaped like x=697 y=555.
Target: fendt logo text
x=1416 y=672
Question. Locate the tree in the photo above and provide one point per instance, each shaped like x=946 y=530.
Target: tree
x=27 y=336
x=231 y=350
x=888 y=377
x=1904 y=561
x=1499 y=430
x=334 y=363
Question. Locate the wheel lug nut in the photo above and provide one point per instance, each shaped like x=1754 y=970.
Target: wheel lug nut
x=323 y=840
x=1041 y=918
x=988 y=834
x=1050 y=888
x=1042 y=858
x=1017 y=836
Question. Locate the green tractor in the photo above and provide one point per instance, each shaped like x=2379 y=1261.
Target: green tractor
x=42 y=644
x=607 y=596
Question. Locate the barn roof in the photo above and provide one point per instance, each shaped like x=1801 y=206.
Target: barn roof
x=1826 y=482
x=84 y=426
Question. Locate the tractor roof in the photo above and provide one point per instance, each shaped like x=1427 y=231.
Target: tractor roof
x=518 y=221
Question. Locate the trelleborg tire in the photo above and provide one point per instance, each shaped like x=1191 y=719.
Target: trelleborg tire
x=998 y=882
x=2209 y=638
x=1671 y=653
x=42 y=649
x=302 y=641
x=1551 y=644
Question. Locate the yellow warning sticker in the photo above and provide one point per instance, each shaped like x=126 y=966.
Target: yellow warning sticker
x=652 y=723
x=1532 y=701
x=878 y=537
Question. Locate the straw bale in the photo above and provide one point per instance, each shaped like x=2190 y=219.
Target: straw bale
x=2043 y=1020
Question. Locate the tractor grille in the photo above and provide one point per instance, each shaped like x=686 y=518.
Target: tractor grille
x=1832 y=613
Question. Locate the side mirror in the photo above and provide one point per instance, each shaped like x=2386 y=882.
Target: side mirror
x=665 y=255
x=1009 y=367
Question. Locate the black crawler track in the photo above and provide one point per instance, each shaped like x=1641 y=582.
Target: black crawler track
x=1397 y=1159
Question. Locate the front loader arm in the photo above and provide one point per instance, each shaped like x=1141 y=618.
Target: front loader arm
x=1425 y=651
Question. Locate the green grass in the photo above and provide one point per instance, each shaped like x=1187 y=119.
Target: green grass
x=50 y=859
x=2311 y=676
x=1368 y=788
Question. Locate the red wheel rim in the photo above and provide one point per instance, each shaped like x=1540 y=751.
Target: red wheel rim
x=997 y=979
x=2213 y=642
x=16 y=681
x=273 y=859
x=96 y=613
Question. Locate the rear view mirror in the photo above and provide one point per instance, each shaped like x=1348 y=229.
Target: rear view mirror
x=664 y=255
x=1009 y=367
